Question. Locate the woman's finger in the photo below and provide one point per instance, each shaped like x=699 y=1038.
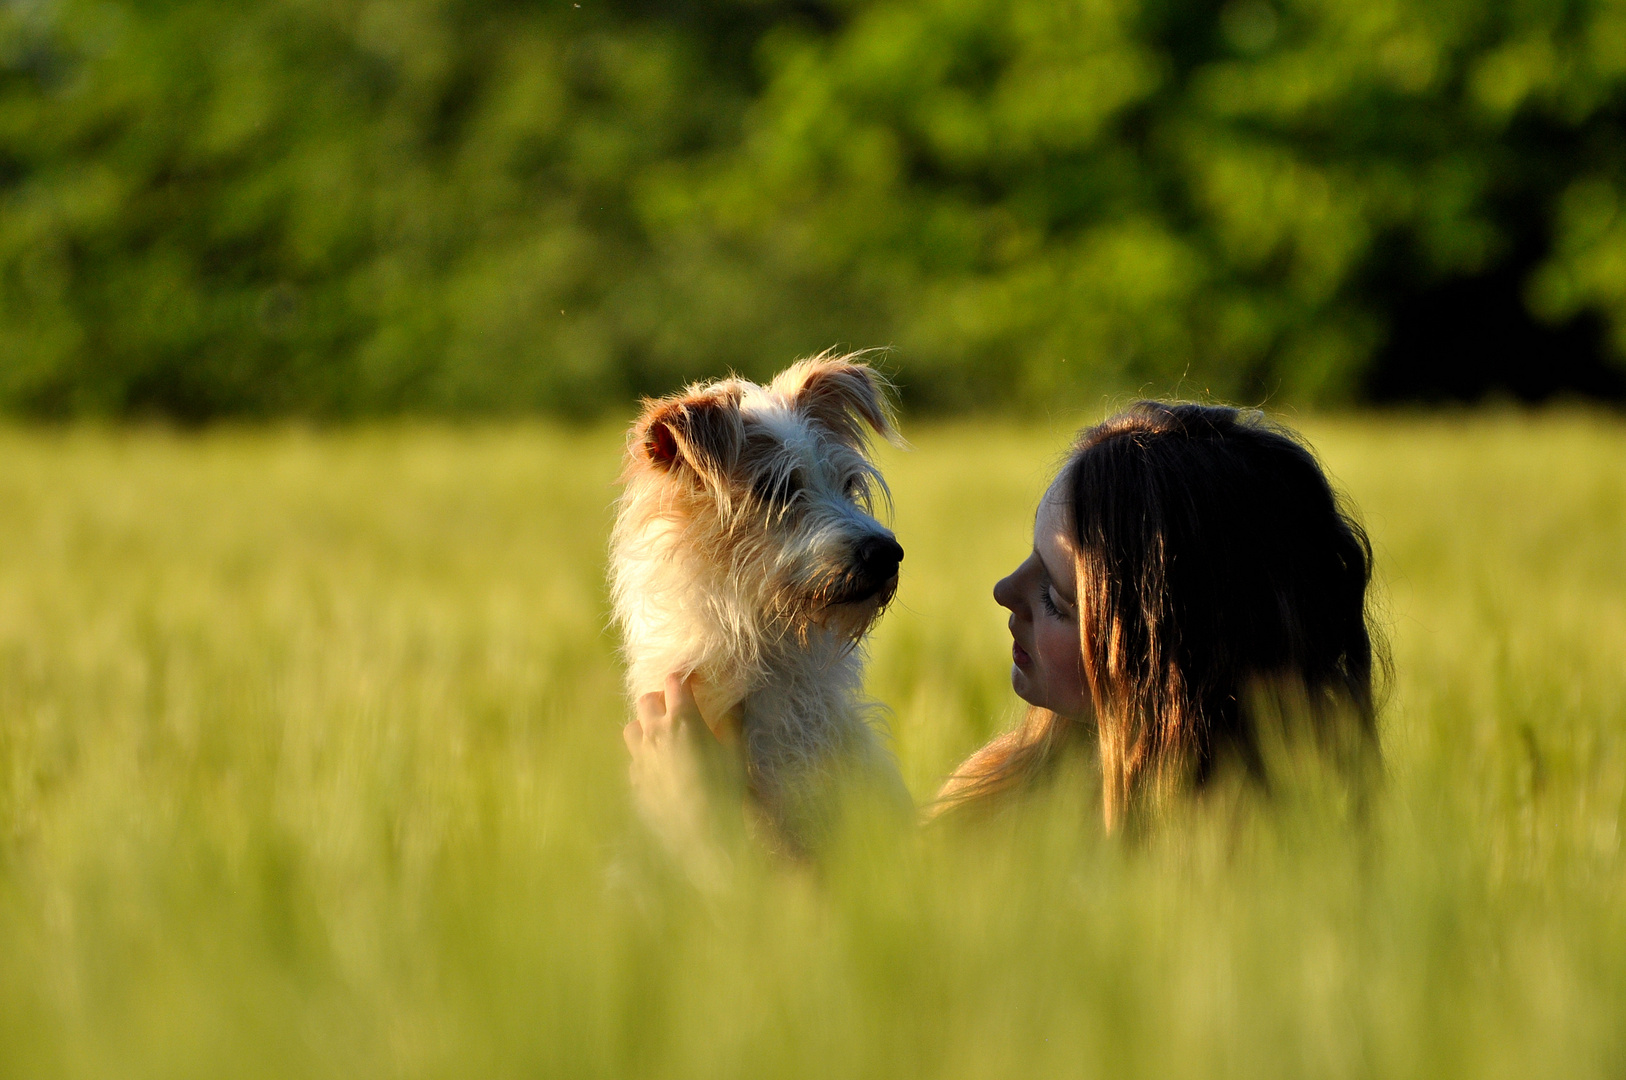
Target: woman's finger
x=686 y=710
x=680 y=703
x=729 y=726
x=652 y=710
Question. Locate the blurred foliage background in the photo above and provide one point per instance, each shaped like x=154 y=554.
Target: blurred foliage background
x=360 y=207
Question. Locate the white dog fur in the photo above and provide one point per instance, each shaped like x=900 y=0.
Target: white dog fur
x=746 y=551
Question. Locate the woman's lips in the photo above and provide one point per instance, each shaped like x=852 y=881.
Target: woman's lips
x=1020 y=655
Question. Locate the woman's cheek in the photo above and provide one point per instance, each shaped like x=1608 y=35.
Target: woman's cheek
x=1063 y=664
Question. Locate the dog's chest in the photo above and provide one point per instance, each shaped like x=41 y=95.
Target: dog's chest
x=800 y=723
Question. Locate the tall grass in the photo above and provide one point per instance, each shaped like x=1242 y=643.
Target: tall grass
x=309 y=766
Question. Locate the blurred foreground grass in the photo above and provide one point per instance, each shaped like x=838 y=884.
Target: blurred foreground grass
x=309 y=765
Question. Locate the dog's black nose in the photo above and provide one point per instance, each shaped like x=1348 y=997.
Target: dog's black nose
x=879 y=556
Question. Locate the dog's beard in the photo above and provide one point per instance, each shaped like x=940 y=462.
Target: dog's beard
x=853 y=619
x=836 y=607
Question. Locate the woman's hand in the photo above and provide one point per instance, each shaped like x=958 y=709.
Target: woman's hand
x=688 y=774
x=663 y=712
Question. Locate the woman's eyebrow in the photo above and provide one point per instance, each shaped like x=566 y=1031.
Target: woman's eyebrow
x=1050 y=579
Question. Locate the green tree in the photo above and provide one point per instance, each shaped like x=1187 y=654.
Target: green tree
x=367 y=206
x=1050 y=195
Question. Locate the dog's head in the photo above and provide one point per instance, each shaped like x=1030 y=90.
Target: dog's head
x=775 y=488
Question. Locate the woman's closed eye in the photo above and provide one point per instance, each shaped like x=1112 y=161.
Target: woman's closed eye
x=1048 y=602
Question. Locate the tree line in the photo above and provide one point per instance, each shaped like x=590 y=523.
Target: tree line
x=363 y=207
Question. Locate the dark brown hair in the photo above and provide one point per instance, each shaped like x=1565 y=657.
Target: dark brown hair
x=1217 y=571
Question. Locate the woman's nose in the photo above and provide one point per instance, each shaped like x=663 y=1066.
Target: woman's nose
x=1005 y=592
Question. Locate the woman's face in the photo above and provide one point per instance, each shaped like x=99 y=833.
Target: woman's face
x=1048 y=668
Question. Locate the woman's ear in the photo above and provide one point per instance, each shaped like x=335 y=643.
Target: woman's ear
x=698 y=430
x=842 y=394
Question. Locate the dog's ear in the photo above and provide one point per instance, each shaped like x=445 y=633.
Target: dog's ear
x=842 y=394
x=698 y=430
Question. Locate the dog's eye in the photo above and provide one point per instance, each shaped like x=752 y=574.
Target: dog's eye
x=778 y=490
x=856 y=487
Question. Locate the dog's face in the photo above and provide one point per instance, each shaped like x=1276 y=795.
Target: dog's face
x=774 y=486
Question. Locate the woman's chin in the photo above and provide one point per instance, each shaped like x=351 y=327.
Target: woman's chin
x=1021 y=684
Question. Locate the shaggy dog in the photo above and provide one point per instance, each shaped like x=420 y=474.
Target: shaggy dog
x=746 y=551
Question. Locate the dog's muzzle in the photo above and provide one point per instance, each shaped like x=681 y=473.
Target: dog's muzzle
x=875 y=569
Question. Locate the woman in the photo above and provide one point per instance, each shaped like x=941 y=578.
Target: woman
x=1195 y=600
